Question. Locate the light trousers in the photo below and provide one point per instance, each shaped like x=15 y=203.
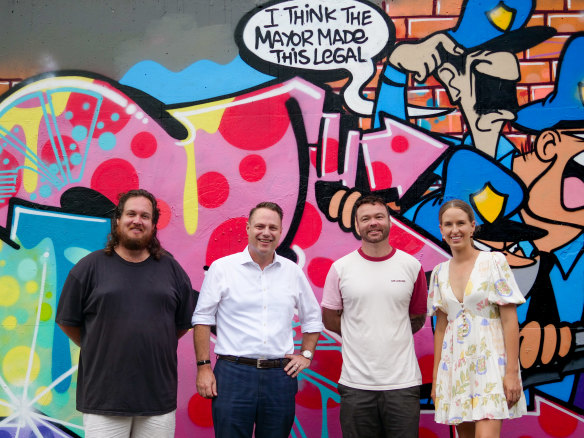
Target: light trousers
x=113 y=426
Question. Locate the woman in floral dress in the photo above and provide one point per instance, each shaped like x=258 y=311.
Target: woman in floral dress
x=476 y=381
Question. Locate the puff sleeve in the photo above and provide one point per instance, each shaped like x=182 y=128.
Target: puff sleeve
x=503 y=288
x=435 y=300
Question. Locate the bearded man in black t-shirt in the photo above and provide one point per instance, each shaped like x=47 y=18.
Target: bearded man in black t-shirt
x=126 y=306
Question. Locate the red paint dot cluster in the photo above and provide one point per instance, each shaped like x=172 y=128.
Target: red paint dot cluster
x=228 y=238
x=252 y=168
x=318 y=269
x=144 y=144
x=257 y=125
x=113 y=177
x=213 y=189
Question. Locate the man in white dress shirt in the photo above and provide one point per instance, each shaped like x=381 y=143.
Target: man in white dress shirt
x=251 y=297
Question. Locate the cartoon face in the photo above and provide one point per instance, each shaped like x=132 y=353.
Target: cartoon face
x=483 y=85
x=372 y=222
x=557 y=195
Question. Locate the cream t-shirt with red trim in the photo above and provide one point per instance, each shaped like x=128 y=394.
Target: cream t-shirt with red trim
x=377 y=296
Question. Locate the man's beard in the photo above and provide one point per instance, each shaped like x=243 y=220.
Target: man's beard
x=384 y=236
x=134 y=243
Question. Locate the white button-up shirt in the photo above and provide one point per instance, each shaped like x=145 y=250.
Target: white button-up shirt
x=254 y=309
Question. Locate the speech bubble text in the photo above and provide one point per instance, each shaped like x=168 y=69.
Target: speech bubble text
x=322 y=39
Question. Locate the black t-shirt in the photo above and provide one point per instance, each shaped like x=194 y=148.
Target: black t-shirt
x=129 y=314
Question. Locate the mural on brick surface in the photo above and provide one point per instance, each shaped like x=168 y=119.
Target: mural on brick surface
x=328 y=101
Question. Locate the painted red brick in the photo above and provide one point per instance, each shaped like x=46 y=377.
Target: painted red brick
x=400 y=28
x=566 y=23
x=522 y=95
x=550 y=5
x=421 y=97
x=540 y=91
x=422 y=27
x=548 y=49
x=448 y=7
x=536 y=20
x=534 y=72
x=576 y=5
x=405 y=8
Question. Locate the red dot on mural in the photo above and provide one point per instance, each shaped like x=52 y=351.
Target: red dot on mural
x=309 y=228
x=252 y=168
x=199 y=410
x=318 y=269
x=228 y=238
x=400 y=238
x=144 y=144
x=399 y=143
x=113 y=177
x=213 y=189
x=165 y=214
x=426 y=367
x=382 y=175
x=257 y=125
x=555 y=423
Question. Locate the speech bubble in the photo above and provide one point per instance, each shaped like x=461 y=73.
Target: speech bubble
x=322 y=40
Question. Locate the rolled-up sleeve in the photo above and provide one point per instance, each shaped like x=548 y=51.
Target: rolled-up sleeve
x=308 y=309
x=209 y=297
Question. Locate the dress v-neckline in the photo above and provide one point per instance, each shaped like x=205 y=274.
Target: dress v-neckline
x=467 y=281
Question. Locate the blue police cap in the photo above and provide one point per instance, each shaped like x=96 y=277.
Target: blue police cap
x=563 y=107
x=498 y=25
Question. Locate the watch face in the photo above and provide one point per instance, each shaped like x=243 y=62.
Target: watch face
x=307 y=354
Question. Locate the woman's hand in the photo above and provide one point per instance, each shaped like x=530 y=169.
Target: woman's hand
x=512 y=388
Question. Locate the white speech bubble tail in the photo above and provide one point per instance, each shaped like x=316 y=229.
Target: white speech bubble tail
x=352 y=92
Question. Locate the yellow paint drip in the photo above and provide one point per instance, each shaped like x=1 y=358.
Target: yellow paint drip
x=206 y=117
x=190 y=195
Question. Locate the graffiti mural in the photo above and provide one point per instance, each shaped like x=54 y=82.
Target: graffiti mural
x=327 y=101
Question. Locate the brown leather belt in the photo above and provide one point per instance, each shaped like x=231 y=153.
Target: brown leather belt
x=258 y=363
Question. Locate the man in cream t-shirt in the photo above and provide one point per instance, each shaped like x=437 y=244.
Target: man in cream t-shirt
x=375 y=298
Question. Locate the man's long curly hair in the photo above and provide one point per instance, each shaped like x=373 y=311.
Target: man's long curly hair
x=113 y=239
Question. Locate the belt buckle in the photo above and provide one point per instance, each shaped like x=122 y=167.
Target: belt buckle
x=259 y=363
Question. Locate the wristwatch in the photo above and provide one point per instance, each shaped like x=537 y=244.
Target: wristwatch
x=307 y=354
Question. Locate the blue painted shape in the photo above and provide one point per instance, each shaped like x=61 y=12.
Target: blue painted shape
x=200 y=81
x=65 y=231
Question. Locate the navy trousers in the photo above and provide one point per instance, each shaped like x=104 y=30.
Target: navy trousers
x=247 y=396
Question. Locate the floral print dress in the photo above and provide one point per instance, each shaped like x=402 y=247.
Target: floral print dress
x=469 y=382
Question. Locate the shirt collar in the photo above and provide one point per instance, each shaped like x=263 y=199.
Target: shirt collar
x=246 y=258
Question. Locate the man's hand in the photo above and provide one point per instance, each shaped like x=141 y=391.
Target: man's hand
x=206 y=384
x=422 y=58
x=296 y=365
x=512 y=388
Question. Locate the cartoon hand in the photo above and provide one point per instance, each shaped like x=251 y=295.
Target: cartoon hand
x=422 y=58
x=543 y=344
